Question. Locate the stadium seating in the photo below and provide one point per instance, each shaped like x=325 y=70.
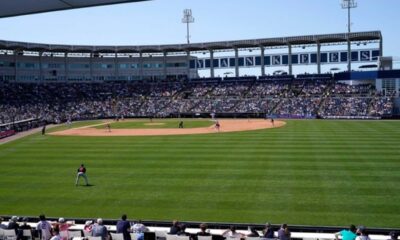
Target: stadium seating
x=160 y=235
x=9 y=234
x=58 y=102
x=204 y=237
x=94 y=238
x=117 y=236
x=27 y=233
x=72 y=234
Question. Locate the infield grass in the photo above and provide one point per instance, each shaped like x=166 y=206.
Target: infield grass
x=310 y=172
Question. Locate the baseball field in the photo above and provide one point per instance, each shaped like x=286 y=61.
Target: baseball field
x=309 y=172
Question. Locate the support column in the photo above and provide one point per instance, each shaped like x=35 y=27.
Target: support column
x=40 y=67
x=165 y=65
x=91 y=66
x=381 y=47
x=66 y=66
x=319 y=58
x=262 y=61
x=188 y=63
x=211 y=63
x=141 y=66
x=290 y=59
x=16 y=65
x=116 y=70
x=236 y=62
x=348 y=54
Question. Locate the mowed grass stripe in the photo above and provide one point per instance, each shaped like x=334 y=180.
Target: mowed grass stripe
x=308 y=172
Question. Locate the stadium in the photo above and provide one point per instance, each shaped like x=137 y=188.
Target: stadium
x=300 y=130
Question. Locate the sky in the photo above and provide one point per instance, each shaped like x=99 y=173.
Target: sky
x=159 y=22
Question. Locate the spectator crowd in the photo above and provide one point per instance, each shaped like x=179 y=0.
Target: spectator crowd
x=60 y=102
x=60 y=230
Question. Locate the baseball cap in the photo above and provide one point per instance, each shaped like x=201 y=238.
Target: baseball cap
x=61 y=220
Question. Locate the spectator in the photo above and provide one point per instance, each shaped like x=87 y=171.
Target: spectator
x=124 y=227
x=394 y=235
x=63 y=227
x=268 y=232
x=88 y=226
x=12 y=224
x=203 y=230
x=182 y=231
x=99 y=230
x=253 y=232
x=175 y=228
x=24 y=226
x=44 y=228
x=56 y=234
x=284 y=233
x=139 y=228
x=363 y=234
x=231 y=233
x=347 y=234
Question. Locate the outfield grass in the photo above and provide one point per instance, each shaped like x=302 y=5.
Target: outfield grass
x=310 y=172
x=157 y=123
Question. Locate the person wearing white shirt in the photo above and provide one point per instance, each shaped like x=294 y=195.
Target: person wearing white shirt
x=231 y=233
x=44 y=228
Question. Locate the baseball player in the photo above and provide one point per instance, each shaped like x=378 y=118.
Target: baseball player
x=81 y=173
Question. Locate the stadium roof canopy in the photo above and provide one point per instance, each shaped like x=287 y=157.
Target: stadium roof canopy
x=11 y=8
x=337 y=38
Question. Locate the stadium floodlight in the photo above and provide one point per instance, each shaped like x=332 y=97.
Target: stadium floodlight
x=187 y=18
x=349 y=4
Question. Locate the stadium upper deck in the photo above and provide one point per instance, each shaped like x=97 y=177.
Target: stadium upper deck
x=24 y=61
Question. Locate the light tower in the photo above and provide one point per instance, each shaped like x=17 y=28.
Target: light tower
x=349 y=4
x=187 y=18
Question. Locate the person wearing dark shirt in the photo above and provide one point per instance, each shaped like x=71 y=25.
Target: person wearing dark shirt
x=124 y=227
x=22 y=227
x=25 y=225
x=81 y=173
x=12 y=224
x=394 y=235
x=268 y=232
x=284 y=233
x=183 y=232
x=203 y=230
x=175 y=227
x=253 y=232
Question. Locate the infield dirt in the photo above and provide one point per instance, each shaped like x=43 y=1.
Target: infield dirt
x=226 y=125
